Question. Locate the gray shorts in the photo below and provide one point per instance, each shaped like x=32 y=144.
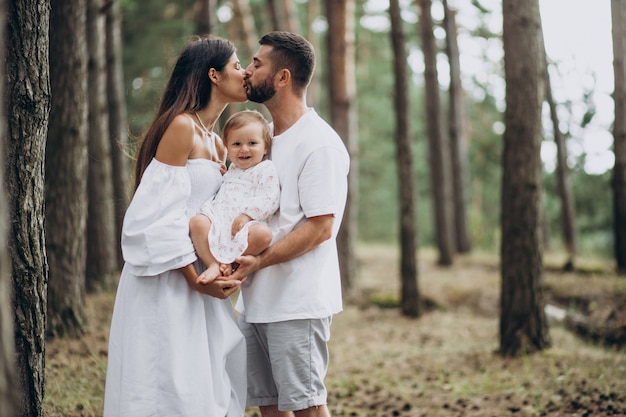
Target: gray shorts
x=287 y=362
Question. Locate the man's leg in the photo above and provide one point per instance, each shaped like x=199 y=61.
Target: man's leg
x=320 y=411
x=272 y=411
x=300 y=360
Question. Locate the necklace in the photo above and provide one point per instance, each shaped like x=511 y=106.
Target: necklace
x=207 y=131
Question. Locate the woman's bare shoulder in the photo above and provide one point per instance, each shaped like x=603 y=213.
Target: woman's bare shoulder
x=177 y=142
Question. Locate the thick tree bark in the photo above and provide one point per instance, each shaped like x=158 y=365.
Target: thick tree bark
x=459 y=138
x=342 y=90
x=66 y=169
x=523 y=325
x=101 y=236
x=28 y=99
x=618 y=11
x=8 y=372
x=438 y=147
x=409 y=297
x=118 y=125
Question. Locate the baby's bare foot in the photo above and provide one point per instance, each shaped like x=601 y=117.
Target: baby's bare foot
x=226 y=269
x=210 y=274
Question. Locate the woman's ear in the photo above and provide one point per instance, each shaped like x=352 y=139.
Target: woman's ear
x=213 y=75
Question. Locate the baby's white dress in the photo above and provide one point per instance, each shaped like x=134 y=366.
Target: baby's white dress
x=254 y=191
x=172 y=350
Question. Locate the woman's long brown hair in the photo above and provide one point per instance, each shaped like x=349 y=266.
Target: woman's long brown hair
x=188 y=90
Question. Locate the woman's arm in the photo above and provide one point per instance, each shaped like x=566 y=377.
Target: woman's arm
x=174 y=149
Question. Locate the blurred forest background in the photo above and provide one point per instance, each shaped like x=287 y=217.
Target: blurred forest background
x=155 y=32
x=442 y=159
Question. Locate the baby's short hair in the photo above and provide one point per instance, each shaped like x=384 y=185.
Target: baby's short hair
x=244 y=118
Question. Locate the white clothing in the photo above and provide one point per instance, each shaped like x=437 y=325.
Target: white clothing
x=313 y=165
x=254 y=191
x=172 y=350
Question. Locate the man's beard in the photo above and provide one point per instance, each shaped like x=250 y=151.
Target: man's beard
x=261 y=93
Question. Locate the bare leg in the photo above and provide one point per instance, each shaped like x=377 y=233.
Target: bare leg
x=199 y=226
x=272 y=411
x=259 y=238
x=318 y=411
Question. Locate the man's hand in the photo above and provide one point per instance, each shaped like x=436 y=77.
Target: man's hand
x=314 y=232
x=247 y=265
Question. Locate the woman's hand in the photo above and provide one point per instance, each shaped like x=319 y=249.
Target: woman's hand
x=210 y=285
x=218 y=288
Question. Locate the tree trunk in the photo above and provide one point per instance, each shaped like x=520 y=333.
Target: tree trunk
x=118 y=125
x=523 y=325
x=618 y=11
x=101 y=243
x=278 y=22
x=438 y=148
x=28 y=98
x=568 y=213
x=342 y=90
x=8 y=375
x=410 y=297
x=291 y=16
x=66 y=169
x=8 y=372
x=247 y=31
x=313 y=92
x=459 y=138
x=205 y=17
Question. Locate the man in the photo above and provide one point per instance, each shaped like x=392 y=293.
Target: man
x=286 y=307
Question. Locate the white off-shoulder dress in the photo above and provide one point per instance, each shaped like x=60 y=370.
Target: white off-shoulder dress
x=173 y=351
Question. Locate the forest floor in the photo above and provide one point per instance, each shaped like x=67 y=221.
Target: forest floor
x=444 y=363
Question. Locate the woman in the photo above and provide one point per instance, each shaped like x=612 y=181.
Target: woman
x=174 y=346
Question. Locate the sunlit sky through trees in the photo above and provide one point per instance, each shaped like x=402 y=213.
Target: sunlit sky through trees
x=578 y=41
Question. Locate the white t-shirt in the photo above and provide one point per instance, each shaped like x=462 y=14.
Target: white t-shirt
x=313 y=165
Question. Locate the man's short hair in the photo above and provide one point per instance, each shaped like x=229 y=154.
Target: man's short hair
x=293 y=52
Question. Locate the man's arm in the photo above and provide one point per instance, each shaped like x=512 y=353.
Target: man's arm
x=314 y=232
